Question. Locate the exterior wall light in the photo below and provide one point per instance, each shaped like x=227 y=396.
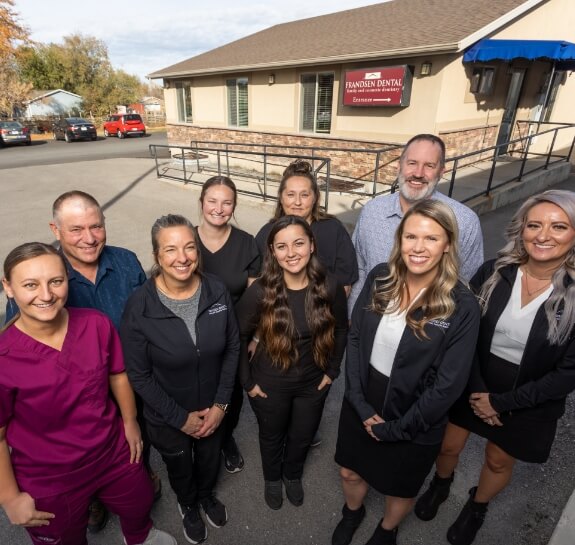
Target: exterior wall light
x=271 y=79
x=425 y=69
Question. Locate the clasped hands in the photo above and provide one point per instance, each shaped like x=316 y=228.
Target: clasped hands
x=203 y=423
x=372 y=421
x=482 y=408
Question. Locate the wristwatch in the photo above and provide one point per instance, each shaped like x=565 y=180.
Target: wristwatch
x=222 y=406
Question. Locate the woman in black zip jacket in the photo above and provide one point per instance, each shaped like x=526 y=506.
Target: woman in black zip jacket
x=525 y=361
x=181 y=347
x=409 y=352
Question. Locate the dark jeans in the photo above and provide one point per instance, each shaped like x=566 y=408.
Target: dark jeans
x=233 y=415
x=192 y=464
x=288 y=419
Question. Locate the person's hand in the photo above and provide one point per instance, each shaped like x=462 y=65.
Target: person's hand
x=325 y=381
x=211 y=422
x=134 y=440
x=482 y=408
x=256 y=391
x=252 y=349
x=194 y=422
x=372 y=421
x=21 y=510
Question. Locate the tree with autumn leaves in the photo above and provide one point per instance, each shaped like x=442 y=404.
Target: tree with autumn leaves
x=13 y=91
x=80 y=64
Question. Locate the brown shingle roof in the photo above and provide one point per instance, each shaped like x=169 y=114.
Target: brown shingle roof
x=391 y=28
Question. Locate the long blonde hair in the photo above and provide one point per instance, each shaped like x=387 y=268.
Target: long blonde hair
x=436 y=303
x=560 y=306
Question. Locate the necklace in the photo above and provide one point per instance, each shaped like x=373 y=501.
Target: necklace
x=533 y=291
x=525 y=268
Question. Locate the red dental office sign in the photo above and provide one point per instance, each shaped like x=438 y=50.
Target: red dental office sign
x=390 y=86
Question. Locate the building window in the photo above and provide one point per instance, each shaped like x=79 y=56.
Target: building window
x=237 y=102
x=482 y=80
x=184 y=98
x=316 y=102
x=549 y=93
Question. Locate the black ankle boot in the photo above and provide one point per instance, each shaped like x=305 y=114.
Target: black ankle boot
x=346 y=527
x=381 y=536
x=467 y=524
x=427 y=505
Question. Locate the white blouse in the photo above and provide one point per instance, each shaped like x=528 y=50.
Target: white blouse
x=387 y=339
x=514 y=324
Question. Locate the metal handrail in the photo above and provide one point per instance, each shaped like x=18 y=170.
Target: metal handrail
x=321 y=154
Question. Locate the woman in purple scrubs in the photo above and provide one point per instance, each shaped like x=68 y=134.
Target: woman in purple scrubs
x=62 y=440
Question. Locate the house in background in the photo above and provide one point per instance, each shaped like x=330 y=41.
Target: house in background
x=378 y=74
x=151 y=105
x=54 y=103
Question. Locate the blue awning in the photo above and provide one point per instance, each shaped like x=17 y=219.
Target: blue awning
x=563 y=53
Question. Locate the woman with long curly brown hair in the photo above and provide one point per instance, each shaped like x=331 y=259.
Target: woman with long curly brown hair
x=411 y=344
x=298 y=314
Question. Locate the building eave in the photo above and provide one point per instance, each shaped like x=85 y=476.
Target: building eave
x=435 y=49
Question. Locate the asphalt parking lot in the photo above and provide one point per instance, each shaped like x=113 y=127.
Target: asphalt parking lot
x=133 y=198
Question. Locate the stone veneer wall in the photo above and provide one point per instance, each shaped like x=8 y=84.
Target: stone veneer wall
x=346 y=162
x=462 y=141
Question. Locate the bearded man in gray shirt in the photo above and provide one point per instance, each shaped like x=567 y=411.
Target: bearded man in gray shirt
x=421 y=166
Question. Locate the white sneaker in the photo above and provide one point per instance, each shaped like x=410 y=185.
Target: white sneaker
x=158 y=537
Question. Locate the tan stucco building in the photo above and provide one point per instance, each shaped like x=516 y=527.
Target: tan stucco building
x=287 y=84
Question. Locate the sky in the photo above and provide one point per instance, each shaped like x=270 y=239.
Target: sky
x=144 y=36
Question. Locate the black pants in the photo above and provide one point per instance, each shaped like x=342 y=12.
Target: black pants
x=233 y=415
x=288 y=419
x=192 y=464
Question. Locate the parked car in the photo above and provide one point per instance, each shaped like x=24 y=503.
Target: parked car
x=122 y=125
x=74 y=128
x=12 y=132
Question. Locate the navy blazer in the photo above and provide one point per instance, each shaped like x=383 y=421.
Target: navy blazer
x=428 y=375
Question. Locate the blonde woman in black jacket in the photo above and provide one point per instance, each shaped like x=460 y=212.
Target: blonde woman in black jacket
x=409 y=353
x=525 y=360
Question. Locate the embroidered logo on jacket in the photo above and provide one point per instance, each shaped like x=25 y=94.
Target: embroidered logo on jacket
x=440 y=323
x=216 y=308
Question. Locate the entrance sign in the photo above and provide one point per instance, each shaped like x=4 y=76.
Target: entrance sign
x=389 y=86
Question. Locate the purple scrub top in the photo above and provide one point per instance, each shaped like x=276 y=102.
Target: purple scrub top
x=62 y=423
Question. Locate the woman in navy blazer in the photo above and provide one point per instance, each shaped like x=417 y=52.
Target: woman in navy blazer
x=410 y=349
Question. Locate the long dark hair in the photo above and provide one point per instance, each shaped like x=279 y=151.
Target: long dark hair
x=25 y=252
x=276 y=327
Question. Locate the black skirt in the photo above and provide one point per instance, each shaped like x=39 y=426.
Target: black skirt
x=392 y=468
x=523 y=435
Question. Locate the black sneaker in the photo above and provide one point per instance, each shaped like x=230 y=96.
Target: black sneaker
x=215 y=511
x=233 y=460
x=195 y=530
x=98 y=517
x=273 y=494
x=294 y=491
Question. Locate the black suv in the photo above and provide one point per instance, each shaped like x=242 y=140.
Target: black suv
x=74 y=128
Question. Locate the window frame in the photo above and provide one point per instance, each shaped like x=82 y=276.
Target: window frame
x=237 y=101
x=184 y=101
x=318 y=107
x=482 y=80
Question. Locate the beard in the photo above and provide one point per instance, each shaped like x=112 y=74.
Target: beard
x=412 y=195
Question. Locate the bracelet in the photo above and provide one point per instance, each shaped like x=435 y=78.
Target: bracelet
x=255 y=339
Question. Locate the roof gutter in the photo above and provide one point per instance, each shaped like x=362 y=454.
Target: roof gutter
x=435 y=49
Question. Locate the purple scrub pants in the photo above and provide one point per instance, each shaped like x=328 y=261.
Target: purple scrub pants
x=124 y=488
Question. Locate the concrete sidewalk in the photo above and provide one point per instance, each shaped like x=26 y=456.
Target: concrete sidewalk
x=132 y=196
